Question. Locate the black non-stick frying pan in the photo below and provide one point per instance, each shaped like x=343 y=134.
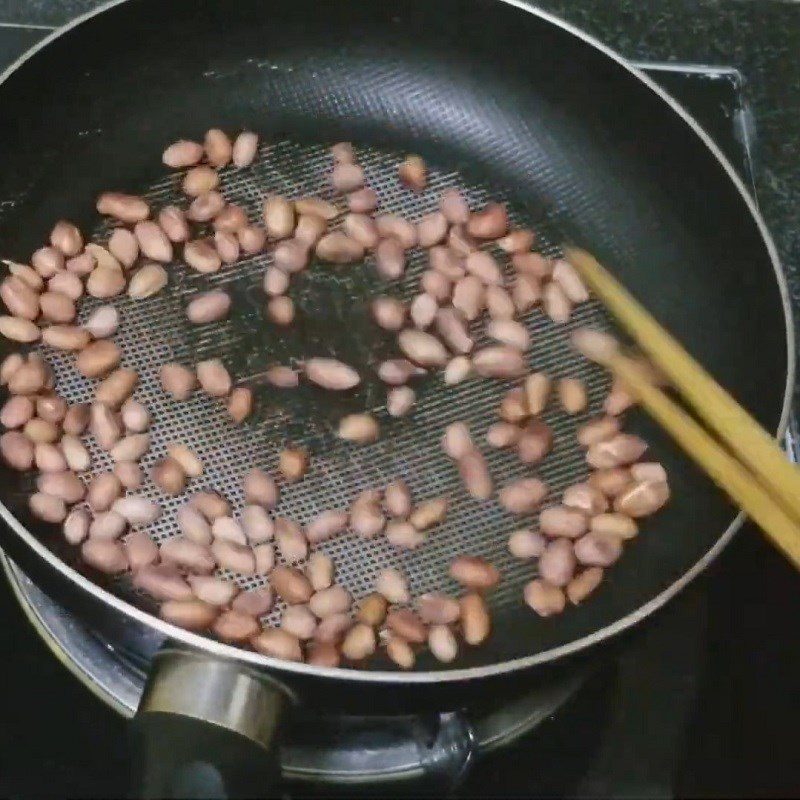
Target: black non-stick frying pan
x=503 y=101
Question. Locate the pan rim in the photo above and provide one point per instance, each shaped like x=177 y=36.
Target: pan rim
x=221 y=650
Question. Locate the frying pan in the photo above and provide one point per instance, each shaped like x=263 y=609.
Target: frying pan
x=503 y=101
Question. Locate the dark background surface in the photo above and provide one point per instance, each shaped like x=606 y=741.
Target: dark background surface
x=703 y=702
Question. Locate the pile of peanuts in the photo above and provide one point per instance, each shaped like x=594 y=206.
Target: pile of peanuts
x=465 y=284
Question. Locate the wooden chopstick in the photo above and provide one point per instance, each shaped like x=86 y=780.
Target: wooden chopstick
x=740 y=432
x=731 y=476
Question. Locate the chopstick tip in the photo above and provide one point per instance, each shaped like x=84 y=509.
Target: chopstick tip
x=595 y=345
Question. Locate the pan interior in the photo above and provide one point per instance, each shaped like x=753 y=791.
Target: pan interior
x=535 y=126
x=333 y=320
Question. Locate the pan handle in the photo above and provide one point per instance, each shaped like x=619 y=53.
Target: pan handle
x=207 y=727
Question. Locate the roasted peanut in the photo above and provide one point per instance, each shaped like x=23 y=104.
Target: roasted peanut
x=522 y=496
x=620 y=450
x=580 y=587
x=177 y=381
x=125 y=207
x=254 y=602
x=614 y=524
x=319 y=571
x=359 y=428
x=393 y=585
x=213 y=378
x=277 y=643
x=153 y=242
x=562 y=521
x=339 y=248
x=199 y=180
x=572 y=395
x=489 y=223
x=557 y=562
x=570 y=282
x=244 y=149
x=429 y=513
x=372 y=609
x=526 y=544
x=252 y=239
x=16 y=411
x=168 y=475
x=105 y=556
x=422 y=348
x=260 y=488
x=586 y=498
x=202 y=256
x=76 y=526
x=556 y=304
x=192 y=614
x=130 y=474
x=213 y=590
x=610 y=481
x=326 y=525
x=235 y=626
x=642 y=499
x=597 y=430
x=437 y=609
x=98 y=359
x=235 y=557
x=446 y=263
x=331 y=374
x=401 y=652
x=475 y=475
x=526 y=292
x=469 y=297
x=182 y=153
x=403 y=535
x=390 y=259
x=474 y=573
x=291 y=540
x=291 y=585
x=218 y=148
x=107 y=525
x=131 y=447
x=359 y=643
x=458 y=369
x=513 y=407
x=475 y=619
x=137 y=510
x=407 y=624
x=363 y=201
x=366 y=516
x=122 y=245
x=282 y=377
x=298 y=621
x=597 y=550
x=499 y=361
x=544 y=598
x=423 y=310
x=47 y=508
x=211 y=505
x=442 y=643
x=19 y=330
x=347 y=177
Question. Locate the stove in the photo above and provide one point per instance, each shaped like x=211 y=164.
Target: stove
x=691 y=703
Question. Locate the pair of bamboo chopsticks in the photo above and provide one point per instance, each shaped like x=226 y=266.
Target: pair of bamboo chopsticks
x=753 y=471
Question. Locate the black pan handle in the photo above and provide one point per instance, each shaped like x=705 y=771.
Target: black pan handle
x=207 y=728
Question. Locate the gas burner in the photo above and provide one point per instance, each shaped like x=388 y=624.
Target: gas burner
x=328 y=749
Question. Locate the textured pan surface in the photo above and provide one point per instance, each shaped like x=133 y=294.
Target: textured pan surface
x=498 y=101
